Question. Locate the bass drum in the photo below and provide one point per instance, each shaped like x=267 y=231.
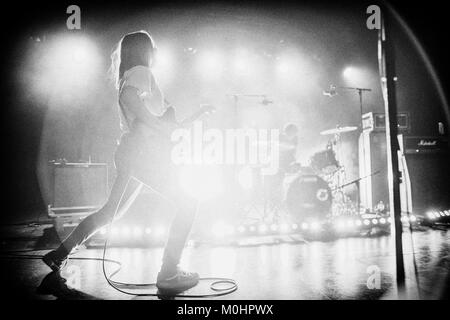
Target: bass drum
x=308 y=196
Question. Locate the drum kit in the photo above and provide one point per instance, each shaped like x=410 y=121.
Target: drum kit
x=314 y=191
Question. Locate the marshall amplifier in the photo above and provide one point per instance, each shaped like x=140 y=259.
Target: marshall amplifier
x=425 y=167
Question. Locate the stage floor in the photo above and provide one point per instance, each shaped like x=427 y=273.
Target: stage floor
x=264 y=268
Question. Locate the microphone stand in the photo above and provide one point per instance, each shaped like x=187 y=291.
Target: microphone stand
x=236 y=123
x=360 y=94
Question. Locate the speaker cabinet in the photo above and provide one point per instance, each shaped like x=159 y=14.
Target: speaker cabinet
x=425 y=167
x=79 y=184
x=373 y=186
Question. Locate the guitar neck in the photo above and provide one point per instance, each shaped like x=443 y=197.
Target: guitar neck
x=192 y=118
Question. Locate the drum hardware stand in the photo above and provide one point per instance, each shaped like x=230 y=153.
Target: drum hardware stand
x=356 y=182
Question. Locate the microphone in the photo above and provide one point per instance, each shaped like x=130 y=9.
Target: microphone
x=331 y=92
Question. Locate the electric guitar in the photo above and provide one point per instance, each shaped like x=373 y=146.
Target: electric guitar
x=170 y=117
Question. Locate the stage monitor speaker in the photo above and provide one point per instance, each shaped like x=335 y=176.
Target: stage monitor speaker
x=425 y=167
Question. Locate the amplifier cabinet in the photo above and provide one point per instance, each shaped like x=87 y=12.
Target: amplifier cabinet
x=77 y=189
x=425 y=168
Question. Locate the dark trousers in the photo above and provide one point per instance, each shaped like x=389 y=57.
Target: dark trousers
x=140 y=163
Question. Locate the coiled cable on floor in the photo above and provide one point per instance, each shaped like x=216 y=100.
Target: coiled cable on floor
x=214 y=286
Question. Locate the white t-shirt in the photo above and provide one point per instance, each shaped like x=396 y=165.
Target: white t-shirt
x=142 y=79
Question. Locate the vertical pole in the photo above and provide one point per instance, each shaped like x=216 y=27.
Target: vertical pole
x=386 y=59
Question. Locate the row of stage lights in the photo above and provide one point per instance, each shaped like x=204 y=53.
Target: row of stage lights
x=220 y=230
x=433 y=215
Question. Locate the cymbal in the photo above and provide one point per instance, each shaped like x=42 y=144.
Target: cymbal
x=338 y=130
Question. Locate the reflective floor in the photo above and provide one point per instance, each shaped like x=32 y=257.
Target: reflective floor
x=264 y=268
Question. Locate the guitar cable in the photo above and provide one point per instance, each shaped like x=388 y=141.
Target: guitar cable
x=214 y=286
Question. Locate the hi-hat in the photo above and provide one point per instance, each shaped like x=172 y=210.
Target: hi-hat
x=338 y=130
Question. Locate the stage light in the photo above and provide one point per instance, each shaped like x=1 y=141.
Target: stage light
x=315 y=226
x=404 y=219
x=284 y=227
x=412 y=218
x=382 y=221
x=355 y=76
x=447 y=213
x=159 y=232
x=164 y=63
x=137 y=231
x=305 y=226
x=103 y=231
x=125 y=231
x=69 y=61
x=358 y=223
x=350 y=223
x=273 y=227
x=340 y=225
x=366 y=222
x=262 y=228
x=374 y=221
x=441 y=213
x=241 y=229
x=148 y=230
x=243 y=62
x=210 y=64
x=252 y=228
x=294 y=226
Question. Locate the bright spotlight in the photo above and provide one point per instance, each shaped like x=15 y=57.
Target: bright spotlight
x=273 y=227
x=262 y=228
x=137 y=231
x=241 y=229
x=315 y=226
x=355 y=76
x=374 y=221
x=159 y=232
x=412 y=218
x=284 y=227
x=350 y=72
x=69 y=61
x=103 y=231
x=164 y=63
x=340 y=225
x=358 y=222
x=243 y=63
x=382 y=220
x=366 y=222
x=305 y=226
x=210 y=64
x=148 y=230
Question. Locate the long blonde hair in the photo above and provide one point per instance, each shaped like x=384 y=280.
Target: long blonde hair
x=134 y=49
